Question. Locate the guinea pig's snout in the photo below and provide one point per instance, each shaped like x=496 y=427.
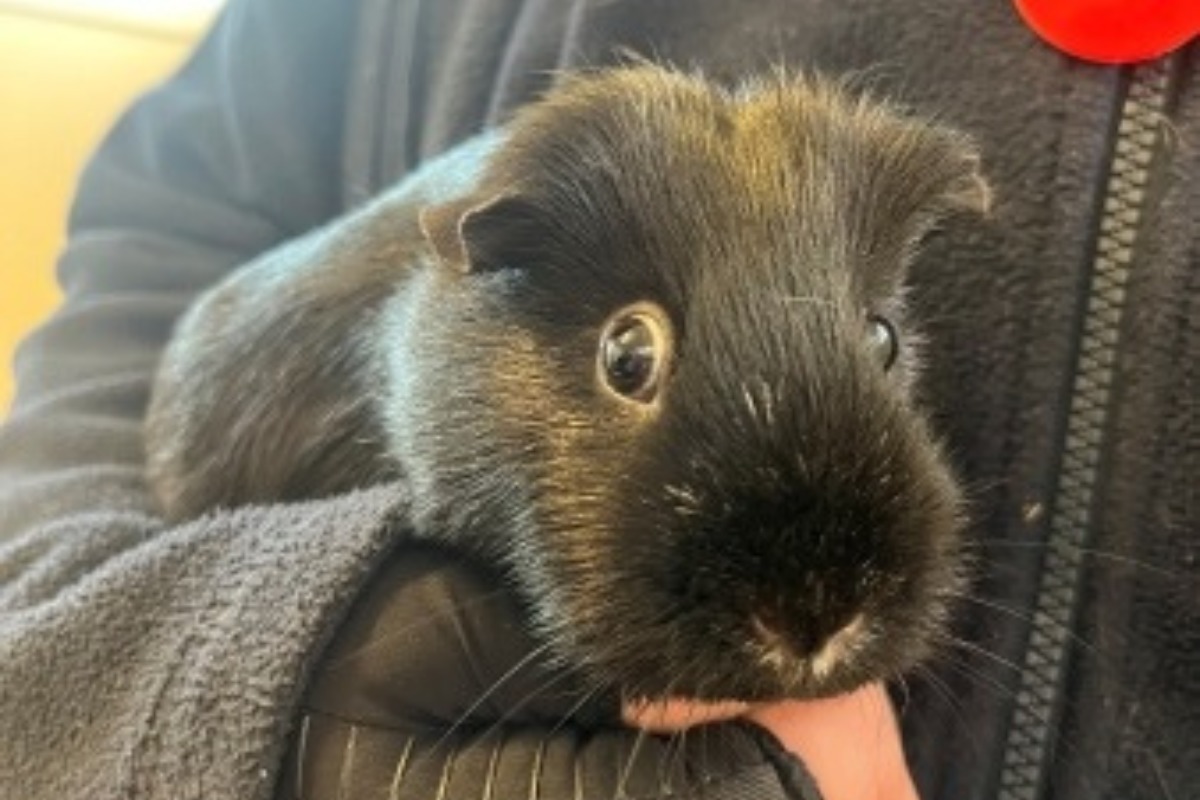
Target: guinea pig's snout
x=821 y=559
x=822 y=639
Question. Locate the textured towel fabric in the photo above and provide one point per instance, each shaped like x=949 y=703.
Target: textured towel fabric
x=137 y=661
x=152 y=663
x=147 y=662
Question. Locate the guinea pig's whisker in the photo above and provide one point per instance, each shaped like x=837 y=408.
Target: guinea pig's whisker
x=940 y=688
x=496 y=685
x=390 y=641
x=982 y=651
x=566 y=717
x=676 y=760
x=1092 y=552
x=962 y=667
x=991 y=683
x=674 y=754
x=627 y=771
x=663 y=770
x=569 y=714
x=1027 y=617
x=943 y=691
x=1040 y=712
x=977 y=489
x=539 y=691
x=1156 y=766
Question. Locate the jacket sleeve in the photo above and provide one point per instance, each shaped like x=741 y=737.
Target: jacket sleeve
x=476 y=717
x=138 y=660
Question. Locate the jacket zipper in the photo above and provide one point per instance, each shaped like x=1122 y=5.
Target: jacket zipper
x=1038 y=704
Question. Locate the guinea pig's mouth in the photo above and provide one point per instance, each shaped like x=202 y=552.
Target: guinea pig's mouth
x=842 y=661
x=763 y=667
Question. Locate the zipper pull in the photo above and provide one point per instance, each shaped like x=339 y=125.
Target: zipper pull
x=1113 y=31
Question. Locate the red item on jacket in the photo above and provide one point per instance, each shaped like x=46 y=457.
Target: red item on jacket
x=1113 y=31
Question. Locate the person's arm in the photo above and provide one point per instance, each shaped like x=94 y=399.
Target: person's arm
x=477 y=718
x=134 y=659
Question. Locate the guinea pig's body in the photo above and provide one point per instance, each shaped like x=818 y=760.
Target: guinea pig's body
x=644 y=348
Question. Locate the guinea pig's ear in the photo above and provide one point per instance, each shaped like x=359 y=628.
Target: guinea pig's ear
x=967 y=189
x=473 y=235
x=933 y=178
x=920 y=179
x=947 y=178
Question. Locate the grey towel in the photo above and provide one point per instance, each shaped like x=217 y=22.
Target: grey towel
x=146 y=662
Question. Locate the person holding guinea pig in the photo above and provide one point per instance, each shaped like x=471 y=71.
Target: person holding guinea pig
x=312 y=649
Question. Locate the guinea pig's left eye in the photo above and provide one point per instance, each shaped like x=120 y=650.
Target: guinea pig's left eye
x=884 y=341
x=633 y=354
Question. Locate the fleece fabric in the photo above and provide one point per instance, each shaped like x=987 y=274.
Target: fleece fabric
x=138 y=660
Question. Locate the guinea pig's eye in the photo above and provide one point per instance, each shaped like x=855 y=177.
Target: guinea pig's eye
x=633 y=351
x=884 y=341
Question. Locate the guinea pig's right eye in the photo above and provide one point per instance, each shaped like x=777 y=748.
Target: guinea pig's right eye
x=633 y=354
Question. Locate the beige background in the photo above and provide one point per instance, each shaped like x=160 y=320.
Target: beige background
x=67 y=68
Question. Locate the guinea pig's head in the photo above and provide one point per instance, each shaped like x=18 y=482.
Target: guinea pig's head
x=662 y=369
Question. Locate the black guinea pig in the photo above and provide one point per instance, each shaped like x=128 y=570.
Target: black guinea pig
x=644 y=348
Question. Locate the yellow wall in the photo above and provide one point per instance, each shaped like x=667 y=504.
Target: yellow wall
x=66 y=69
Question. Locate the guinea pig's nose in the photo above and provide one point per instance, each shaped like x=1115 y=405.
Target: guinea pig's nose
x=796 y=636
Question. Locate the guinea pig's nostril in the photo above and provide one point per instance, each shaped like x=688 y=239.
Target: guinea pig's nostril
x=763 y=630
x=781 y=636
x=789 y=638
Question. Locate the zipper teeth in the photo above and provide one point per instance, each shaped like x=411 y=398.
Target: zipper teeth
x=1038 y=702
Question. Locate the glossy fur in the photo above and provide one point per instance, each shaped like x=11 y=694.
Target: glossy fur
x=781 y=481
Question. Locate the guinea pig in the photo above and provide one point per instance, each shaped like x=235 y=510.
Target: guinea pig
x=644 y=348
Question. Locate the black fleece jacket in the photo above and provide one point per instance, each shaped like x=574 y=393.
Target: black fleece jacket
x=138 y=660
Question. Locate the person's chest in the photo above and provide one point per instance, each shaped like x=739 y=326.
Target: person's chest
x=1062 y=344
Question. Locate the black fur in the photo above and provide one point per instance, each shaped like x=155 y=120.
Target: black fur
x=782 y=477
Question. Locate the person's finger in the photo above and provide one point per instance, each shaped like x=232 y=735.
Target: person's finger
x=851 y=744
x=671 y=716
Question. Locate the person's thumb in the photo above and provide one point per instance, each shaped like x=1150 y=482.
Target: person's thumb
x=851 y=744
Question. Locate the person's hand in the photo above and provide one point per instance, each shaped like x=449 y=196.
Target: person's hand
x=433 y=685
x=850 y=744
